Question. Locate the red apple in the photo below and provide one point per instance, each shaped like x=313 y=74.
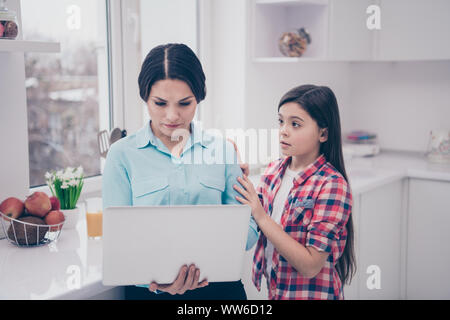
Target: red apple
x=12 y=207
x=38 y=204
x=54 y=217
x=56 y=205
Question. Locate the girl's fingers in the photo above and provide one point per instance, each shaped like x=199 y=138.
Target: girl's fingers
x=241 y=200
x=243 y=192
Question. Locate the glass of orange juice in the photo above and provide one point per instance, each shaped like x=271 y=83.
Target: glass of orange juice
x=94 y=217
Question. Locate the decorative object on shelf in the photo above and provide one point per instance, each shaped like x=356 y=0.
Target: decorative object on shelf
x=66 y=185
x=439 y=146
x=294 y=43
x=105 y=140
x=8 y=22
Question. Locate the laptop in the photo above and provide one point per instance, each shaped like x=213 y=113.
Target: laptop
x=143 y=244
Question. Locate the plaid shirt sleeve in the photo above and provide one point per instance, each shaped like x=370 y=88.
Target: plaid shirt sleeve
x=331 y=211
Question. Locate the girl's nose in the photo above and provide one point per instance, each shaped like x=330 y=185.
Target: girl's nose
x=283 y=131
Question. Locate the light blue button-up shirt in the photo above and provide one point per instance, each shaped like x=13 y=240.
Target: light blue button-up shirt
x=140 y=170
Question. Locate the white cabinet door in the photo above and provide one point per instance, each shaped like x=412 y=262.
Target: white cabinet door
x=414 y=30
x=380 y=242
x=349 y=38
x=351 y=292
x=428 y=254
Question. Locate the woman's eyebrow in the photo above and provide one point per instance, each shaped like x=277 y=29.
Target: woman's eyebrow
x=166 y=100
x=158 y=98
x=186 y=98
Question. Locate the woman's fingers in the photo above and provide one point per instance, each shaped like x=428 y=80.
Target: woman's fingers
x=153 y=287
x=187 y=279
x=204 y=283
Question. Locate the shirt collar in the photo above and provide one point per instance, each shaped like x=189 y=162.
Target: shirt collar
x=305 y=174
x=145 y=135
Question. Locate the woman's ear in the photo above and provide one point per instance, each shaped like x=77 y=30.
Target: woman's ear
x=323 y=135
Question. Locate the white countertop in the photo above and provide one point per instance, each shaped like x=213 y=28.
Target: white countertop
x=53 y=271
x=50 y=272
x=368 y=173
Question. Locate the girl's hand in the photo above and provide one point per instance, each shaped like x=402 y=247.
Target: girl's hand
x=249 y=197
x=186 y=280
x=244 y=166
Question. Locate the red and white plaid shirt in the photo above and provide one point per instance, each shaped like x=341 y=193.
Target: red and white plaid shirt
x=315 y=214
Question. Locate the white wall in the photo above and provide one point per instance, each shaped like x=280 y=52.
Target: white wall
x=163 y=22
x=14 y=174
x=401 y=101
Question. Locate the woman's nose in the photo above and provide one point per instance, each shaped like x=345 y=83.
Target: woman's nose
x=172 y=114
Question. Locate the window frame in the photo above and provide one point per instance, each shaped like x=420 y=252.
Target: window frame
x=119 y=71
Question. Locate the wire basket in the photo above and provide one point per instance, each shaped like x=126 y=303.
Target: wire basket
x=26 y=234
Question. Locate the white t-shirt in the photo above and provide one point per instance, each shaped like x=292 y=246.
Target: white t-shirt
x=278 y=208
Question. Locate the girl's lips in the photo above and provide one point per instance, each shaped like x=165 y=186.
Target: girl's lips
x=284 y=145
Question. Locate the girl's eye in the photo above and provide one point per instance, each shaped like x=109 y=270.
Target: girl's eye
x=280 y=121
x=160 y=103
x=295 y=124
x=184 y=104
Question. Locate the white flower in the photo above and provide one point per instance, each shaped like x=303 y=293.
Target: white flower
x=48 y=176
x=59 y=174
x=79 y=172
x=73 y=183
x=68 y=176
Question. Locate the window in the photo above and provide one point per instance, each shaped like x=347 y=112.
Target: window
x=67 y=93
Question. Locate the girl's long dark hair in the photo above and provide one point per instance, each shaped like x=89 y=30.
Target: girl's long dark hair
x=321 y=104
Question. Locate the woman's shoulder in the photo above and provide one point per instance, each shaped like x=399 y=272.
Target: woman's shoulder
x=120 y=147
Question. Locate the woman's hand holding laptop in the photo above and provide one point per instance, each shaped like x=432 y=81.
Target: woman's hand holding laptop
x=182 y=283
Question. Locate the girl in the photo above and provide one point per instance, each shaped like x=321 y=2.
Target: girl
x=303 y=203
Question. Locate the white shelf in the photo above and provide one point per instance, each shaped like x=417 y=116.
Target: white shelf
x=28 y=46
x=288 y=60
x=293 y=2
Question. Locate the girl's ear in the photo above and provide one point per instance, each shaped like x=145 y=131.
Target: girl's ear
x=323 y=135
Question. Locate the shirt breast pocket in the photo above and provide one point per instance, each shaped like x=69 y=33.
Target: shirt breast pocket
x=150 y=191
x=212 y=183
x=302 y=212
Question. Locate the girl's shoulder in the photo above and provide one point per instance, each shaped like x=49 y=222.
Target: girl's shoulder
x=273 y=167
x=332 y=180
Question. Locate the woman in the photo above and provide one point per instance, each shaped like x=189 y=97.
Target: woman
x=159 y=165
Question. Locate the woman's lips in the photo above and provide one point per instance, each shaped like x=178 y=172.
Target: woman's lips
x=172 y=126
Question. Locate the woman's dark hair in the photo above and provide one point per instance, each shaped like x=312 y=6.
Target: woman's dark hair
x=172 y=61
x=321 y=104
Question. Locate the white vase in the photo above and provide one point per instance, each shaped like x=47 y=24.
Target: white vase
x=71 y=217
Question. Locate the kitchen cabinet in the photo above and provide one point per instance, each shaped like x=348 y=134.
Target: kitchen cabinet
x=428 y=254
x=378 y=235
x=350 y=39
x=414 y=30
x=351 y=292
